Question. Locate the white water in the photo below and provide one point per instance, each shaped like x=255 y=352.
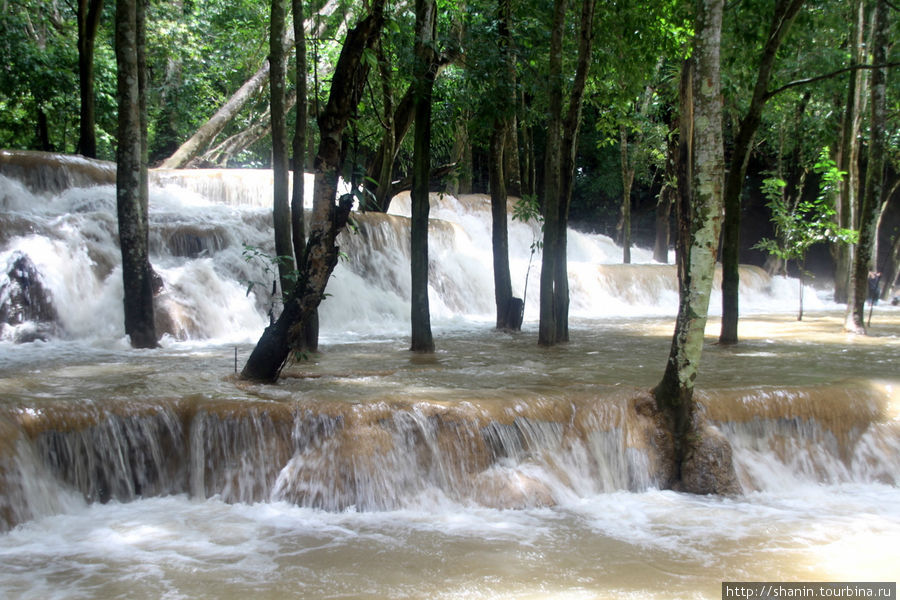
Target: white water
x=197 y=249
x=810 y=511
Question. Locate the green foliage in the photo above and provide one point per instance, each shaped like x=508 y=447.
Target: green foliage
x=802 y=223
x=38 y=75
x=269 y=265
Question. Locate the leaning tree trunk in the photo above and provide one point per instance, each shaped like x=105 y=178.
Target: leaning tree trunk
x=702 y=460
x=88 y=21
x=131 y=173
x=209 y=130
x=785 y=13
x=321 y=252
x=872 y=197
x=426 y=22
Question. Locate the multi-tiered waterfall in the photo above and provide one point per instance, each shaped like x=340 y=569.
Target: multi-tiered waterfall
x=492 y=469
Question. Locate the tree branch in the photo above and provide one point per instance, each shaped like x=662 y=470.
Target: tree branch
x=831 y=75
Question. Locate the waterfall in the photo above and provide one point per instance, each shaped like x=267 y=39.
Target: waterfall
x=490 y=422
x=59 y=240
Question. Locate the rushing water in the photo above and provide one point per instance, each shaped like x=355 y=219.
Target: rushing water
x=492 y=469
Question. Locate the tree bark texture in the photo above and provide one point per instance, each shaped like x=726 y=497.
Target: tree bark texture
x=627 y=181
x=547 y=332
x=499 y=163
x=567 y=148
x=88 y=22
x=131 y=179
x=281 y=210
x=848 y=159
x=668 y=194
x=426 y=22
x=499 y=225
x=321 y=252
x=699 y=209
x=874 y=189
x=785 y=13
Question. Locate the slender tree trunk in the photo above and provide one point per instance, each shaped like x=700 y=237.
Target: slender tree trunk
x=571 y=127
x=627 y=180
x=892 y=272
x=385 y=172
x=426 y=21
x=700 y=205
x=281 y=210
x=785 y=13
x=849 y=160
x=499 y=162
x=310 y=336
x=547 y=330
x=874 y=190
x=88 y=22
x=209 y=130
x=131 y=178
x=499 y=229
x=526 y=157
x=668 y=194
x=321 y=252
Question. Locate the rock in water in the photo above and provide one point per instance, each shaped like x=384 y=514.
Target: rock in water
x=26 y=308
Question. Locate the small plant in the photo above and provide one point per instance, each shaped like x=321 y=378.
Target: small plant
x=269 y=264
x=527 y=209
x=801 y=223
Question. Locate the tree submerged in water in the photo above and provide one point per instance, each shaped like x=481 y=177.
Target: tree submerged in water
x=799 y=223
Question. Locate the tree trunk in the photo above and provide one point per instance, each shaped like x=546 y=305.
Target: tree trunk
x=499 y=229
x=627 y=180
x=499 y=163
x=874 y=190
x=385 y=172
x=547 y=330
x=281 y=210
x=849 y=160
x=88 y=21
x=785 y=13
x=309 y=340
x=892 y=272
x=321 y=252
x=570 y=129
x=131 y=178
x=426 y=22
x=209 y=130
x=697 y=454
x=668 y=194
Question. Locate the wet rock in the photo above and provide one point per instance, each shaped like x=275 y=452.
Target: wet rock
x=709 y=468
x=511 y=489
x=26 y=308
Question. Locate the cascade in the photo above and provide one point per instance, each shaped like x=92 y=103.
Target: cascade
x=489 y=446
